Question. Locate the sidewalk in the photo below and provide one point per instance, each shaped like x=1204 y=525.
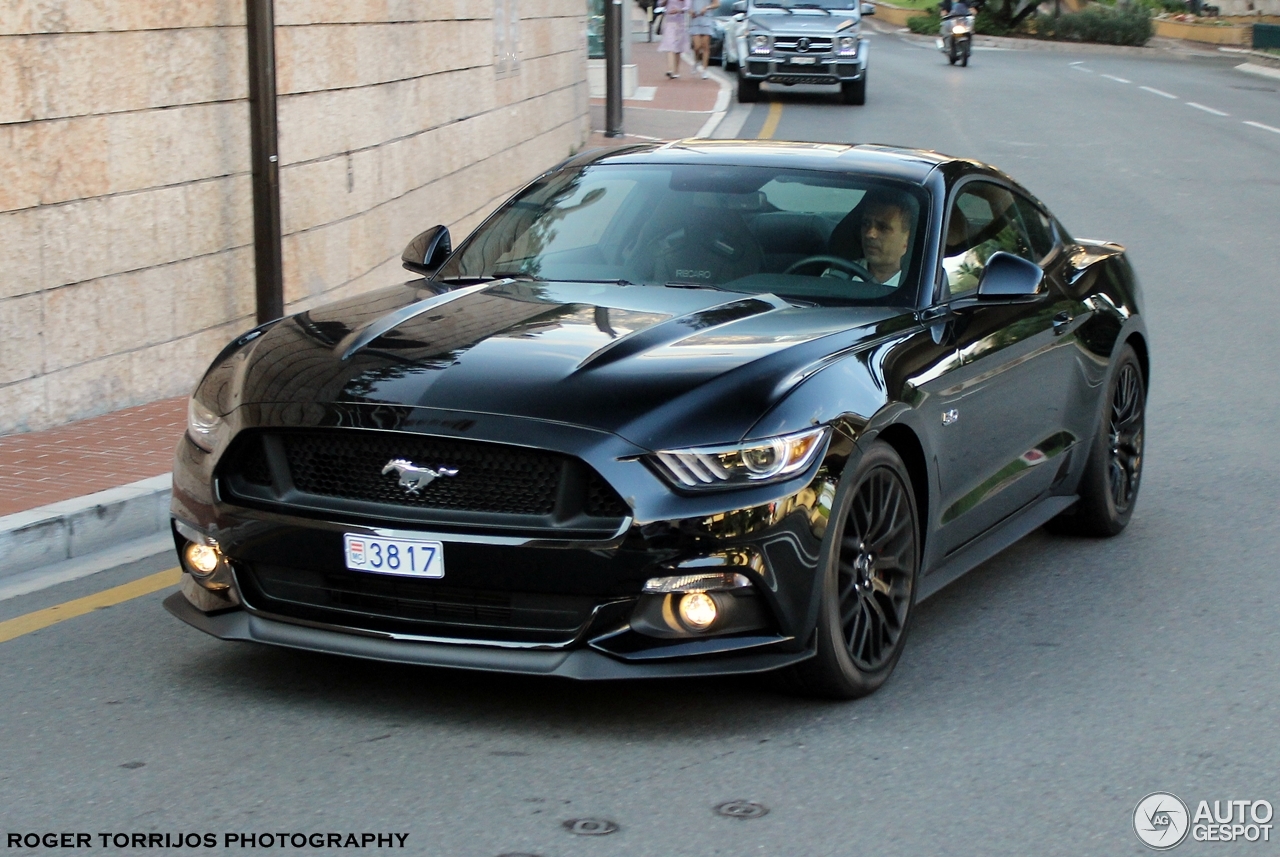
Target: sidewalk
x=79 y=489
x=665 y=109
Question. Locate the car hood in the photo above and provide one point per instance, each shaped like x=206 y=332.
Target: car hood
x=654 y=365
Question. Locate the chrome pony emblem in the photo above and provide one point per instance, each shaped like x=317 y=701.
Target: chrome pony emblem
x=414 y=478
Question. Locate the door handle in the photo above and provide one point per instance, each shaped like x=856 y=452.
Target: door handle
x=1060 y=322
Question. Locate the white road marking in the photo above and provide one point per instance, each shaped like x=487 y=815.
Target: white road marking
x=1116 y=79
x=1159 y=92
x=1206 y=109
x=1263 y=127
x=1076 y=66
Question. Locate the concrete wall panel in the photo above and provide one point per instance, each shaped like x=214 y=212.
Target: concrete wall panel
x=125 y=196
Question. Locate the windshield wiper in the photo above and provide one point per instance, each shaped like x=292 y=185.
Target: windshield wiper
x=771 y=5
x=488 y=278
x=698 y=285
x=811 y=6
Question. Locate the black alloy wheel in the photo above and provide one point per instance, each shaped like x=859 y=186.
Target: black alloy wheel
x=1112 y=476
x=871 y=559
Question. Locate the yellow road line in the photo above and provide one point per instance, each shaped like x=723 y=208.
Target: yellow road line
x=771 y=121
x=70 y=609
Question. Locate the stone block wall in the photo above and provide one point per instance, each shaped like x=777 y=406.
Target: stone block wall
x=126 y=221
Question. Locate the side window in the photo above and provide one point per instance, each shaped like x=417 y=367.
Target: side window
x=984 y=218
x=1039 y=229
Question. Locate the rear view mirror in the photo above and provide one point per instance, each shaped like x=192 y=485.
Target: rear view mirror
x=426 y=253
x=1009 y=276
x=868 y=8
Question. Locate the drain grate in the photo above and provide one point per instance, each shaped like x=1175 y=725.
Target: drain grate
x=741 y=809
x=590 y=826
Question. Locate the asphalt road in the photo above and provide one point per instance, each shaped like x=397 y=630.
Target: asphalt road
x=1039 y=698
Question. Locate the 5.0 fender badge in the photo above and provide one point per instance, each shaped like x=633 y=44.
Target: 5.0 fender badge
x=414 y=478
x=950 y=416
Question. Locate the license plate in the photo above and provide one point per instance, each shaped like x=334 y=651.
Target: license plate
x=409 y=557
x=803 y=60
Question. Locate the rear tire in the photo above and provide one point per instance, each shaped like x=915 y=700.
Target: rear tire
x=854 y=91
x=870 y=562
x=748 y=90
x=1112 y=475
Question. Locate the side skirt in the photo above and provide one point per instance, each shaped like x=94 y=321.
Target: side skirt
x=983 y=548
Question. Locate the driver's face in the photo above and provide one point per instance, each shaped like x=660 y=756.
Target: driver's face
x=884 y=237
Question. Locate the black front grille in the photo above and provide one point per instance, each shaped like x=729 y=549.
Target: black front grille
x=406 y=605
x=810 y=79
x=490 y=477
x=478 y=483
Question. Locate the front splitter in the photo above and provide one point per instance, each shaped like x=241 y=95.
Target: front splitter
x=581 y=664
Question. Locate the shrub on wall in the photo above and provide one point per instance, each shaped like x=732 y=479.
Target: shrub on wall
x=926 y=24
x=1123 y=25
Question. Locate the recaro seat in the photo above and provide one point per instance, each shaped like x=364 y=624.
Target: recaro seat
x=704 y=245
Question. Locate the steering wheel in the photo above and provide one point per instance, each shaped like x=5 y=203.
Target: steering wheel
x=832 y=261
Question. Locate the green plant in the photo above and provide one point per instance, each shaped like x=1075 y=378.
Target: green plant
x=925 y=24
x=1123 y=25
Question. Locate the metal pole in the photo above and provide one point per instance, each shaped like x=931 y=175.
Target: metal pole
x=613 y=68
x=264 y=155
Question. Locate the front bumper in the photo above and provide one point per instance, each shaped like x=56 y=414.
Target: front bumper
x=811 y=69
x=518 y=602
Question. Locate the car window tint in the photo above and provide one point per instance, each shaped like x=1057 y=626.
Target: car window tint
x=576 y=220
x=984 y=218
x=795 y=196
x=1039 y=228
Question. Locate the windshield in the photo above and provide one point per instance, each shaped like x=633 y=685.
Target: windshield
x=822 y=236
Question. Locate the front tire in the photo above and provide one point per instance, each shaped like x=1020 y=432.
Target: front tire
x=1109 y=486
x=854 y=91
x=748 y=90
x=870 y=563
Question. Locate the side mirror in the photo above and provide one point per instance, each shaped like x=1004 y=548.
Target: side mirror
x=1009 y=276
x=740 y=6
x=426 y=253
x=868 y=8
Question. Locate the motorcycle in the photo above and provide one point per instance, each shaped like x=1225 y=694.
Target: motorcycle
x=957 y=38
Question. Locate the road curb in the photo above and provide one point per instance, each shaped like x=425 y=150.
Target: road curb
x=75 y=528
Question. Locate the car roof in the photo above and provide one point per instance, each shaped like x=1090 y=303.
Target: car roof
x=896 y=162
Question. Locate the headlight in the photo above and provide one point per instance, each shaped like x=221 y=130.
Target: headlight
x=848 y=45
x=760 y=44
x=754 y=462
x=959 y=29
x=203 y=425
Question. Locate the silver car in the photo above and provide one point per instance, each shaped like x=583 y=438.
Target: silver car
x=806 y=41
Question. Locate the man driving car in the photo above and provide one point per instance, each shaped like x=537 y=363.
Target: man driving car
x=886 y=234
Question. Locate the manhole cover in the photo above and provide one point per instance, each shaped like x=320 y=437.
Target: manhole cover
x=741 y=809
x=590 y=826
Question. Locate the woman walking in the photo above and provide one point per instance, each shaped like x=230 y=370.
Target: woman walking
x=701 y=29
x=675 y=34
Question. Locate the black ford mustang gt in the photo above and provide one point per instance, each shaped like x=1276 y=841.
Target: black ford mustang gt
x=685 y=409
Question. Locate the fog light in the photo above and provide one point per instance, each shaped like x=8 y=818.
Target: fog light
x=203 y=559
x=698 y=610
